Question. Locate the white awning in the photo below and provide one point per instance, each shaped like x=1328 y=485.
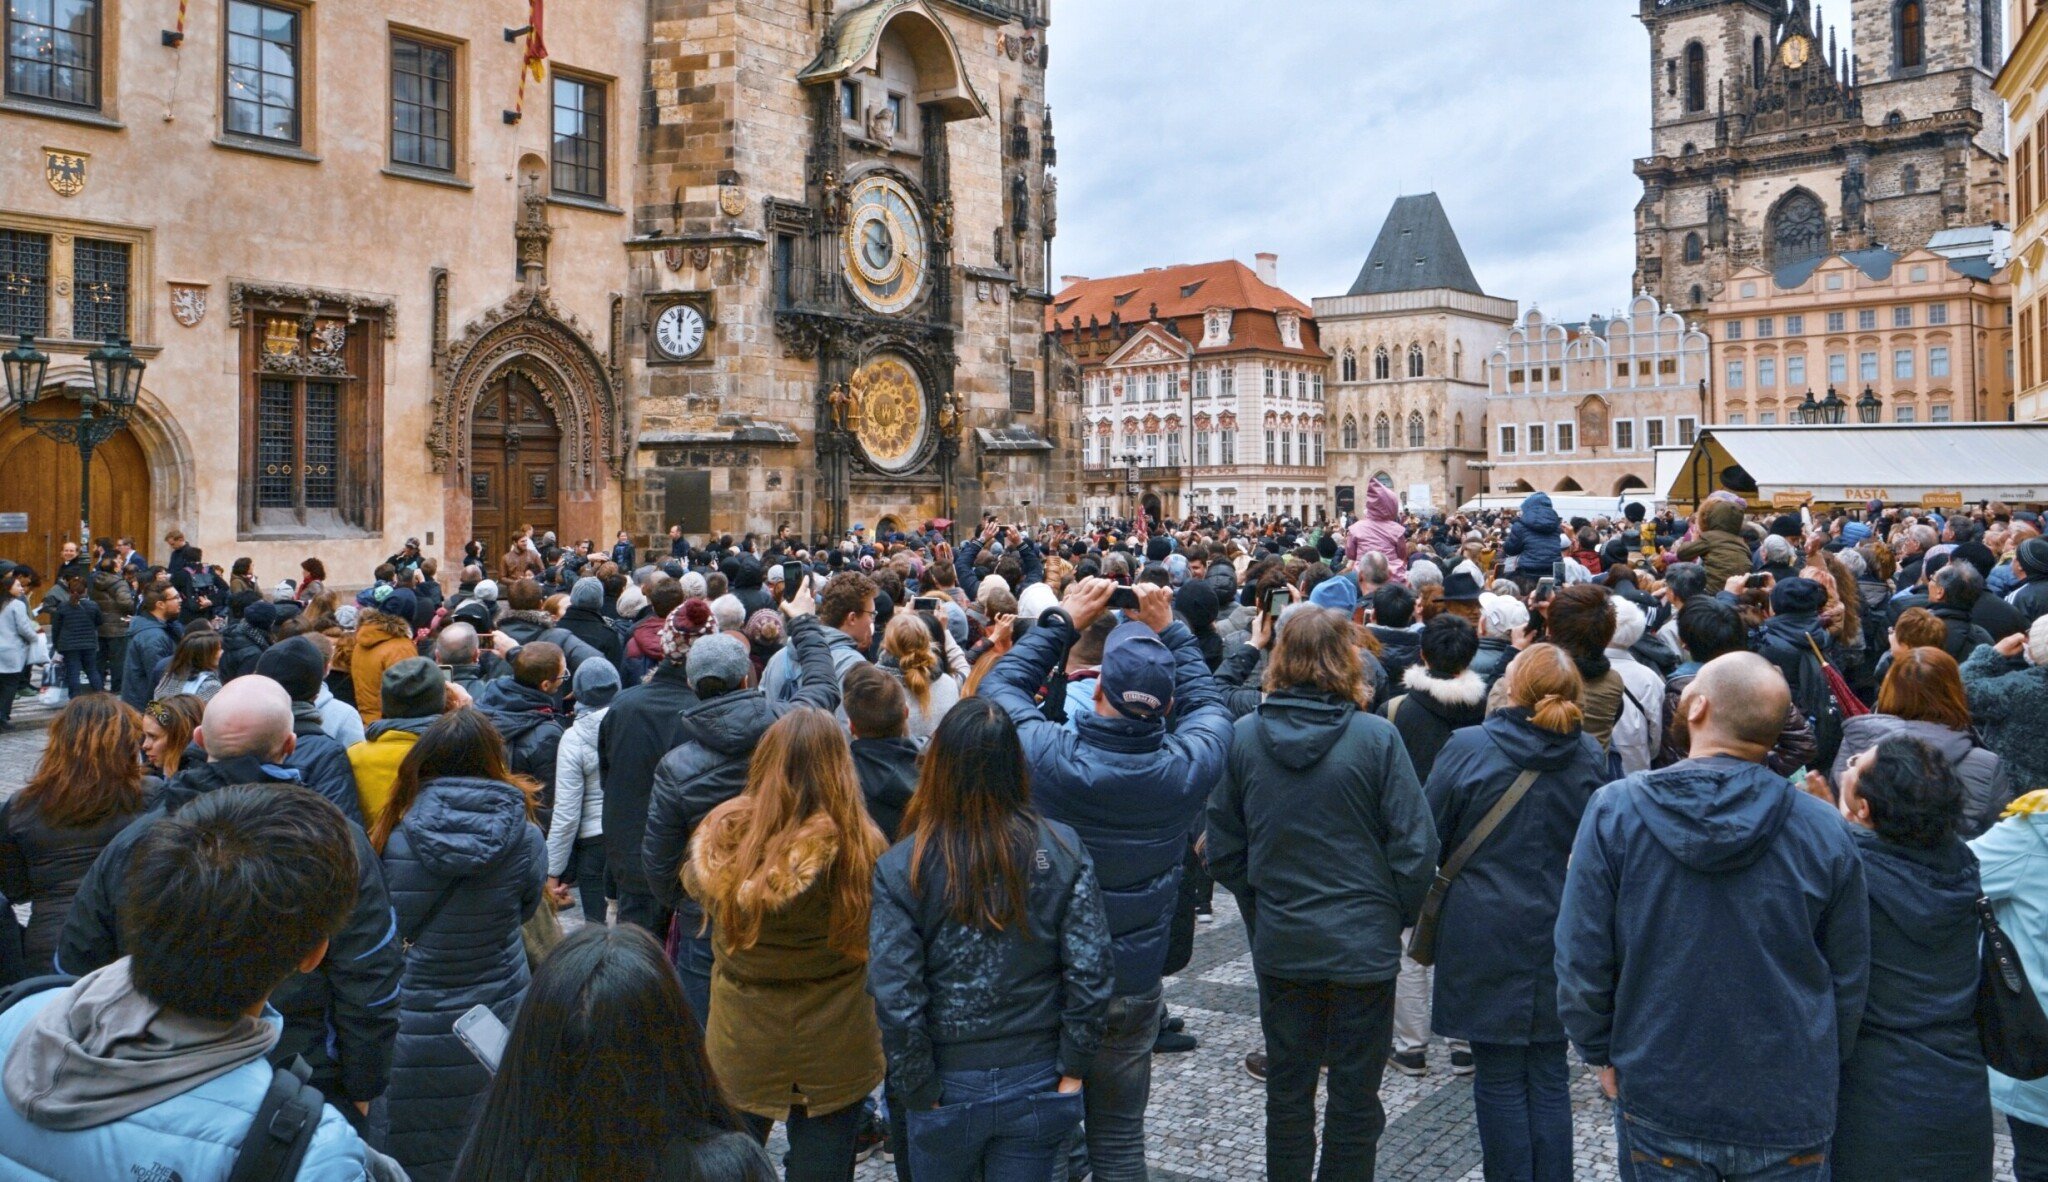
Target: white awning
x=1937 y=465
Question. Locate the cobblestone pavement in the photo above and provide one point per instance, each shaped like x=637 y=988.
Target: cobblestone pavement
x=1207 y=1117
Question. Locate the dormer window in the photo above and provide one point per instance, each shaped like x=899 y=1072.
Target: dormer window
x=1215 y=328
x=1290 y=330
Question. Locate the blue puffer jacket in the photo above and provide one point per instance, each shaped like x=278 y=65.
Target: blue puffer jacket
x=1133 y=790
x=1533 y=538
x=1713 y=946
x=1496 y=976
x=1913 y=1103
x=2012 y=868
x=193 y=1135
x=472 y=832
x=149 y=643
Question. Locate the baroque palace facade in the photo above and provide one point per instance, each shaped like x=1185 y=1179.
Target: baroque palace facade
x=735 y=265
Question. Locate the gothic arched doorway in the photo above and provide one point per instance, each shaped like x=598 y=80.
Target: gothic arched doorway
x=42 y=481
x=1152 y=510
x=515 y=463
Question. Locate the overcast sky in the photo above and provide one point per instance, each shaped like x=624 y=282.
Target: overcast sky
x=1193 y=130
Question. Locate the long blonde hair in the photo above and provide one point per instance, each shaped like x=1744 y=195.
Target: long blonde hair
x=909 y=641
x=802 y=804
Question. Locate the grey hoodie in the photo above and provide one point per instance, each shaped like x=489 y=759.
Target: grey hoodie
x=103 y=1051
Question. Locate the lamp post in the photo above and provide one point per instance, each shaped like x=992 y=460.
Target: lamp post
x=1869 y=406
x=1131 y=461
x=1808 y=412
x=102 y=409
x=1833 y=409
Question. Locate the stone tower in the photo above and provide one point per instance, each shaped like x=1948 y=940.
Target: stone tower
x=840 y=237
x=1773 y=144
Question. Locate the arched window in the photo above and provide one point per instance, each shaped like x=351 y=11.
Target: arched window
x=1756 y=61
x=1911 y=35
x=1415 y=428
x=1350 y=433
x=1458 y=361
x=1382 y=432
x=1696 y=76
x=1909 y=179
x=1458 y=430
x=1350 y=366
x=1382 y=367
x=1415 y=361
x=1694 y=248
x=1699 y=295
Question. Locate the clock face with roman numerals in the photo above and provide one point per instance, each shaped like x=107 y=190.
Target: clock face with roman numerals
x=885 y=245
x=679 y=331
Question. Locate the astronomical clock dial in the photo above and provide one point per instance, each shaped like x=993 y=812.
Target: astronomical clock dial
x=1794 y=52
x=892 y=413
x=679 y=332
x=886 y=252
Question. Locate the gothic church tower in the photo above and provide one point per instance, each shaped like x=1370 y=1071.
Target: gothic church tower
x=1772 y=144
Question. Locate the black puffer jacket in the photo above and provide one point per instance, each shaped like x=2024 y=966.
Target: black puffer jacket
x=643 y=724
x=322 y=763
x=343 y=1016
x=527 y=627
x=467 y=837
x=951 y=997
x=43 y=864
x=1430 y=708
x=710 y=766
x=532 y=728
x=241 y=645
x=888 y=776
x=588 y=625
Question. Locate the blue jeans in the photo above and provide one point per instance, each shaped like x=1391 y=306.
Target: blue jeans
x=587 y=864
x=693 y=965
x=1119 y=1086
x=1649 y=1154
x=1522 y=1097
x=1003 y=1124
x=820 y=1147
x=81 y=671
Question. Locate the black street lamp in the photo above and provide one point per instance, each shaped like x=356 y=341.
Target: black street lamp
x=1806 y=413
x=1869 y=406
x=102 y=409
x=1832 y=409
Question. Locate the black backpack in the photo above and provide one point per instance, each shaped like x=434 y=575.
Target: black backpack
x=276 y=1143
x=1816 y=699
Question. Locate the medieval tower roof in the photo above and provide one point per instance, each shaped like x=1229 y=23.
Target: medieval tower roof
x=1417 y=251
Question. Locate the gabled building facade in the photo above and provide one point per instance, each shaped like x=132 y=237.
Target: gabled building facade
x=2023 y=84
x=1202 y=392
x=1409 y=342
x=1580 y=408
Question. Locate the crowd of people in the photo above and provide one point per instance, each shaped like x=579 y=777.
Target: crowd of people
x=894 y=840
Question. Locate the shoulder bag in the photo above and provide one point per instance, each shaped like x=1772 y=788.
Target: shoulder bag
x=2010 y=1023
x=1422 y=938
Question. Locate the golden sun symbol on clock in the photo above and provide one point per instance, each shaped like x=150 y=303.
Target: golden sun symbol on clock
x=886 y=251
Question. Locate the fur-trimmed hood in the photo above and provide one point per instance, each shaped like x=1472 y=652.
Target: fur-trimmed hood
x=1466 y=689
x=794 y=862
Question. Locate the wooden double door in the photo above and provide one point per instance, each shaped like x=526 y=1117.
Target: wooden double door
x=515 y=465
x=40 y=478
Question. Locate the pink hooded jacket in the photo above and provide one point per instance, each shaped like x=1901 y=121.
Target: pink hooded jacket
x=1380 y=529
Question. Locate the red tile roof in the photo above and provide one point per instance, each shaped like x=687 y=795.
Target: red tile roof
x=1182 y=294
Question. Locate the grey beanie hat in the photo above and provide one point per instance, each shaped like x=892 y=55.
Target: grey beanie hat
x=596 y=683
x=587 y=592
x=414 y=688
x=721 y=657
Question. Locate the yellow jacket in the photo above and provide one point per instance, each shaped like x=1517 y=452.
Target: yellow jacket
x=375 y=761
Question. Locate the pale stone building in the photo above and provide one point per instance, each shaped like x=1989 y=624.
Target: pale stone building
x=1210 y=378
x=1913 y=337
x=1410 y=342
x=2020 y=84
x=1772 y=144
x=388 y=283
x=1579 y=408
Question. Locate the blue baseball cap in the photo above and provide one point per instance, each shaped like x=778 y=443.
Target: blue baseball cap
x=1137 y=672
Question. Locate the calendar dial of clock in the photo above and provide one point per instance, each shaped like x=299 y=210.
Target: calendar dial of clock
x=679 y=331
x=885 y=245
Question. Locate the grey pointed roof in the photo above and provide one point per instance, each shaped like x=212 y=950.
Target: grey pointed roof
x=1417 y=251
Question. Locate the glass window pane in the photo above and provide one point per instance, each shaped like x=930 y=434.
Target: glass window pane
x=99 y=299
x=274 y=431
x=24 y=283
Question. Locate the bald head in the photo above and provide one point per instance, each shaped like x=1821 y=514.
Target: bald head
x=251 y=715
x=1736 y=706
x=456 y=645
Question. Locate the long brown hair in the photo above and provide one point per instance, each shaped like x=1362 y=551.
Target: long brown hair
x=802 y=791
x=1544 y=680
x=462 y=743
x=177 y=716
x=1851 y=626
x=1925 y=685
x=1317 y=650
x=199 y=652
x=91 y=769
x=973 y=806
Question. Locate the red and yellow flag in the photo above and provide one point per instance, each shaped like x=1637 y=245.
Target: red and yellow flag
x=536 y=53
